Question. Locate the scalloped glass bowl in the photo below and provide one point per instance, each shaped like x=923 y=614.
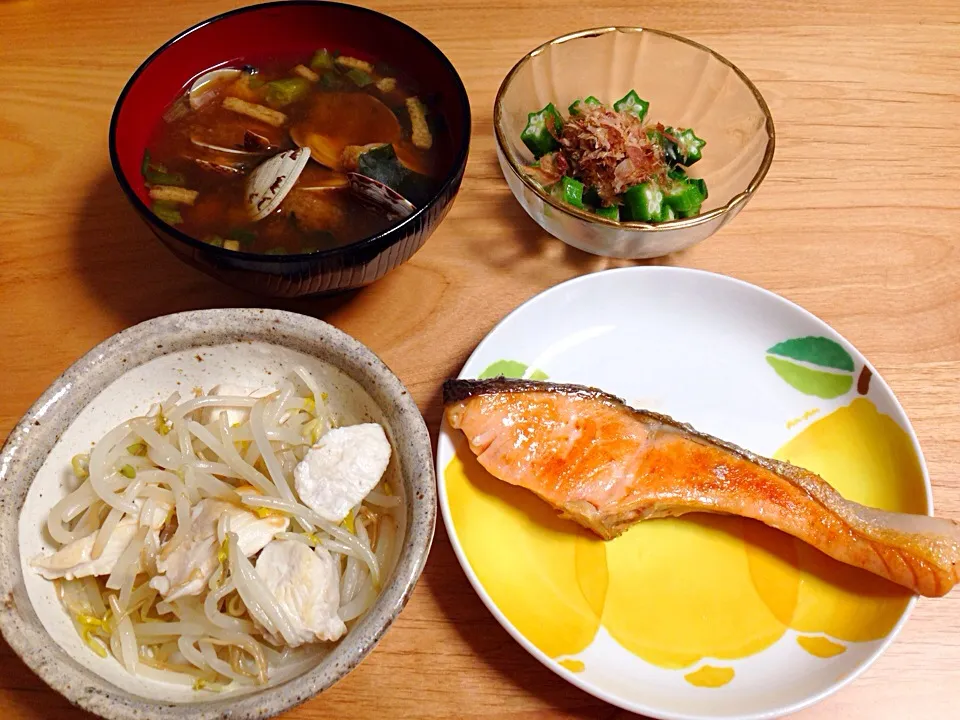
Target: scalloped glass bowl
x=687 y=85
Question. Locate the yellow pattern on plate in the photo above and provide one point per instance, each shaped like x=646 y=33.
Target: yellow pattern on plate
x=677 y=591
x=868 y=458
x=710 y=677
x=547 y=575
x=820 y=646
x=677 y=596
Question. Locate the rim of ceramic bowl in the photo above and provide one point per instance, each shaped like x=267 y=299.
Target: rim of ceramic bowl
x=82 y=686
x=391 y=234
x=735 y=202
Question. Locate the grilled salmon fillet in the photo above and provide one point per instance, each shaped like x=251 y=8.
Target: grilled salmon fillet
x=608 y=466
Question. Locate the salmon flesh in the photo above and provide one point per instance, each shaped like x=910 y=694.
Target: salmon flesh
x=608 y=466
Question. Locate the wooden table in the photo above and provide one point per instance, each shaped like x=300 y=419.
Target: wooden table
x=857 y=221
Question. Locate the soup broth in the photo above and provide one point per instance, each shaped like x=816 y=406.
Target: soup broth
x=353 y=115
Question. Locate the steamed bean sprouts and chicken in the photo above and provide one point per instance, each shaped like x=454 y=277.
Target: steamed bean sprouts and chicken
x=222 y=539
x=350 y=115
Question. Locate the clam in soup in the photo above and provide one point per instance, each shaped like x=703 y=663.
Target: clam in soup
x=293 y=157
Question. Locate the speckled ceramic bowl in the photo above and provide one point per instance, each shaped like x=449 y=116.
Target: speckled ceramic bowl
x=687 y=85
x=121 y=378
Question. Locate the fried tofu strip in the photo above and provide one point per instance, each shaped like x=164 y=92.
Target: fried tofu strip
x=387 y=84
x=257 y=112
x=172 y=193
x=420 y=131
x=354 y=63
x=306 y=73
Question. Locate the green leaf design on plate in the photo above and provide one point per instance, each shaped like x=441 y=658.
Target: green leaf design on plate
x=813 y=365
x=822 y=384
x=510 y=369
x=816 y=351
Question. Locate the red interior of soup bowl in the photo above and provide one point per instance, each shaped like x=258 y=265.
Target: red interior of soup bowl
x=283 y=29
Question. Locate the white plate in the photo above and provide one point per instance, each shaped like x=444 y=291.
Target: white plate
x=648 y=620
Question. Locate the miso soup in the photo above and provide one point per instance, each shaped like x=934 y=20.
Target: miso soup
x=353 y=115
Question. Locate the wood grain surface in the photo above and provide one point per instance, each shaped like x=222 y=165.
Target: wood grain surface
x=857 y=221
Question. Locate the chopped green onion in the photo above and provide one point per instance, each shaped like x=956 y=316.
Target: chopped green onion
x=331 y=80
x=167 y=211
x=633 y=104
x=543 y=128
x=322 y=60
x=128 y=471
x=154 y=174
x=359 y=77
x=157 y=177
x=242 y=235
x=286 y=91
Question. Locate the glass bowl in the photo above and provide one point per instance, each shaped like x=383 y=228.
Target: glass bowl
x=686 y=84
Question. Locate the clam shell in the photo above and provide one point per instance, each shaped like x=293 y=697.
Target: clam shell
x=381 y=196
x=202 y=88
x=270 y=182
x=238 y=152
x=335 y=120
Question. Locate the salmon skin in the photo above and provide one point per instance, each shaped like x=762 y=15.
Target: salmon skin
x=608 y=466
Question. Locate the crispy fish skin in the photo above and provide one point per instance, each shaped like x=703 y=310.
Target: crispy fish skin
x=607 y=466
